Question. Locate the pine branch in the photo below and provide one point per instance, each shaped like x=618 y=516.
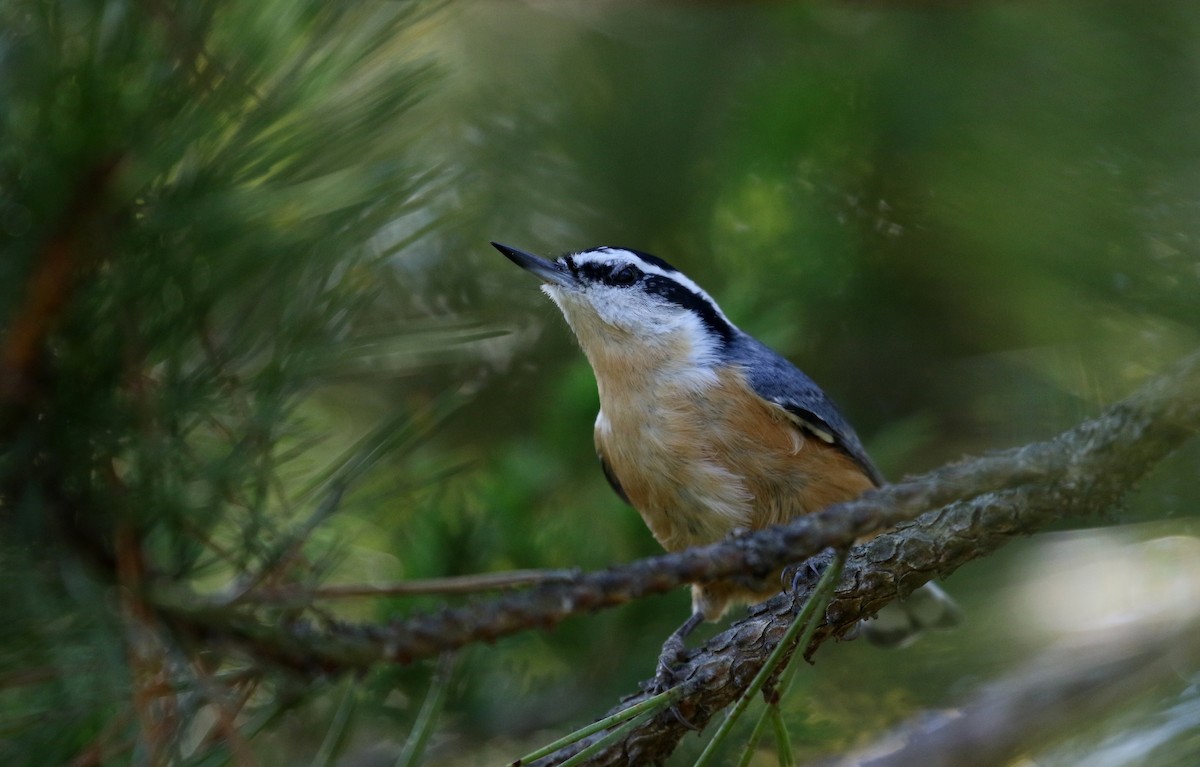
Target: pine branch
x=1090 y=468
x=51 y=282
x=300 y=596
x=963 y=511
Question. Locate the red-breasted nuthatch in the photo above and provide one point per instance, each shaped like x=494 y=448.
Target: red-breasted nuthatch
x=702 y=428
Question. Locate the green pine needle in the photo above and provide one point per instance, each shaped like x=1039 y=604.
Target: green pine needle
x=808 y=619
x=431 y=709
x=648 y=707
x=339 y=727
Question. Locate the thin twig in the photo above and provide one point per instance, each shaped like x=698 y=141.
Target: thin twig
x=298 y=596
x=52 y=279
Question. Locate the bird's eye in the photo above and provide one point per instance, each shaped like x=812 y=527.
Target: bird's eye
x=625 y=276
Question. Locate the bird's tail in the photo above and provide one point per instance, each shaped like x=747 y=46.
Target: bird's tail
x=900 y=622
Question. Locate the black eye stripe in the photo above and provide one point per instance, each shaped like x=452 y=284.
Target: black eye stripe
x=594 y=272
x=625 y=276
x=570 y=262
x=619 y=275
x=677 y=294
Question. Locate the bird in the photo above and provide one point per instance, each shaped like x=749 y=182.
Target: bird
x=706 y=431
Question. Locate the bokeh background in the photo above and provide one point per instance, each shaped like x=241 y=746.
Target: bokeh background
x=974 y=224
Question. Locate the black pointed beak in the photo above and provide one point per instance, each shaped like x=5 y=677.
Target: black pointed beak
x=549 y=271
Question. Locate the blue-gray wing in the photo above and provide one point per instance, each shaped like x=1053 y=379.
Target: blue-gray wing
x=777 y=380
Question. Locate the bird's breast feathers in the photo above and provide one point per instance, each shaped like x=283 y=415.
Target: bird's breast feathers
x=699 y=463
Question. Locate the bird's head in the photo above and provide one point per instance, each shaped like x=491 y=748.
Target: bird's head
x=625 y=303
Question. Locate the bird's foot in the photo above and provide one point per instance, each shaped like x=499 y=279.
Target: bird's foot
x=794 y=576
x=672 y=654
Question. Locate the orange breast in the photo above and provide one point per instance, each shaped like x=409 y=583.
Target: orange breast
x=704 y=462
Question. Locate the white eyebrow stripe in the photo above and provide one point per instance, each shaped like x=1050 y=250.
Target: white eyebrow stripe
x=605 y=256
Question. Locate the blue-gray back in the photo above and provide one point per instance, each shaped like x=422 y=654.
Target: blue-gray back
x=777 y=380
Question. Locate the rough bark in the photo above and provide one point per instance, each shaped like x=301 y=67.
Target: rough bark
x=943 y=520
x=1085 y=470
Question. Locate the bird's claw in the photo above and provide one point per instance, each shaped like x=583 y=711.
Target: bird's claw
x=808 y=570
x=665 y=676
x=672 y=654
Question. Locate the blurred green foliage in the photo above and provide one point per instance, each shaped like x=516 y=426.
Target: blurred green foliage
x=972 y=226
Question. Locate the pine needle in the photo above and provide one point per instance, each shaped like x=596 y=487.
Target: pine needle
x=339 y=728
x=808 y=619
x=431 y=709
x=649 y=707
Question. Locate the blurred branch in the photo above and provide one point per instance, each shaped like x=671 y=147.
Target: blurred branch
x=299 y=596
x=1067 y=686
x=51 y=282
x=966 y=510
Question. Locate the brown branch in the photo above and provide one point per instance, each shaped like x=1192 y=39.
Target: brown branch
x=344 y=647
x=347 y=647
x=299 y=595
x=972 y=509
x=1094 y=465
x=1007 y=494
x=51 y=282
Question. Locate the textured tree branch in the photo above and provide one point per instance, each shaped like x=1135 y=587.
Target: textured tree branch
x=1006 y=494
x=345 y=647
x=1084 y=470
x=966 y=511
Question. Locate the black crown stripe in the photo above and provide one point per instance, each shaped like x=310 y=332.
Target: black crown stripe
x=653 y=260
